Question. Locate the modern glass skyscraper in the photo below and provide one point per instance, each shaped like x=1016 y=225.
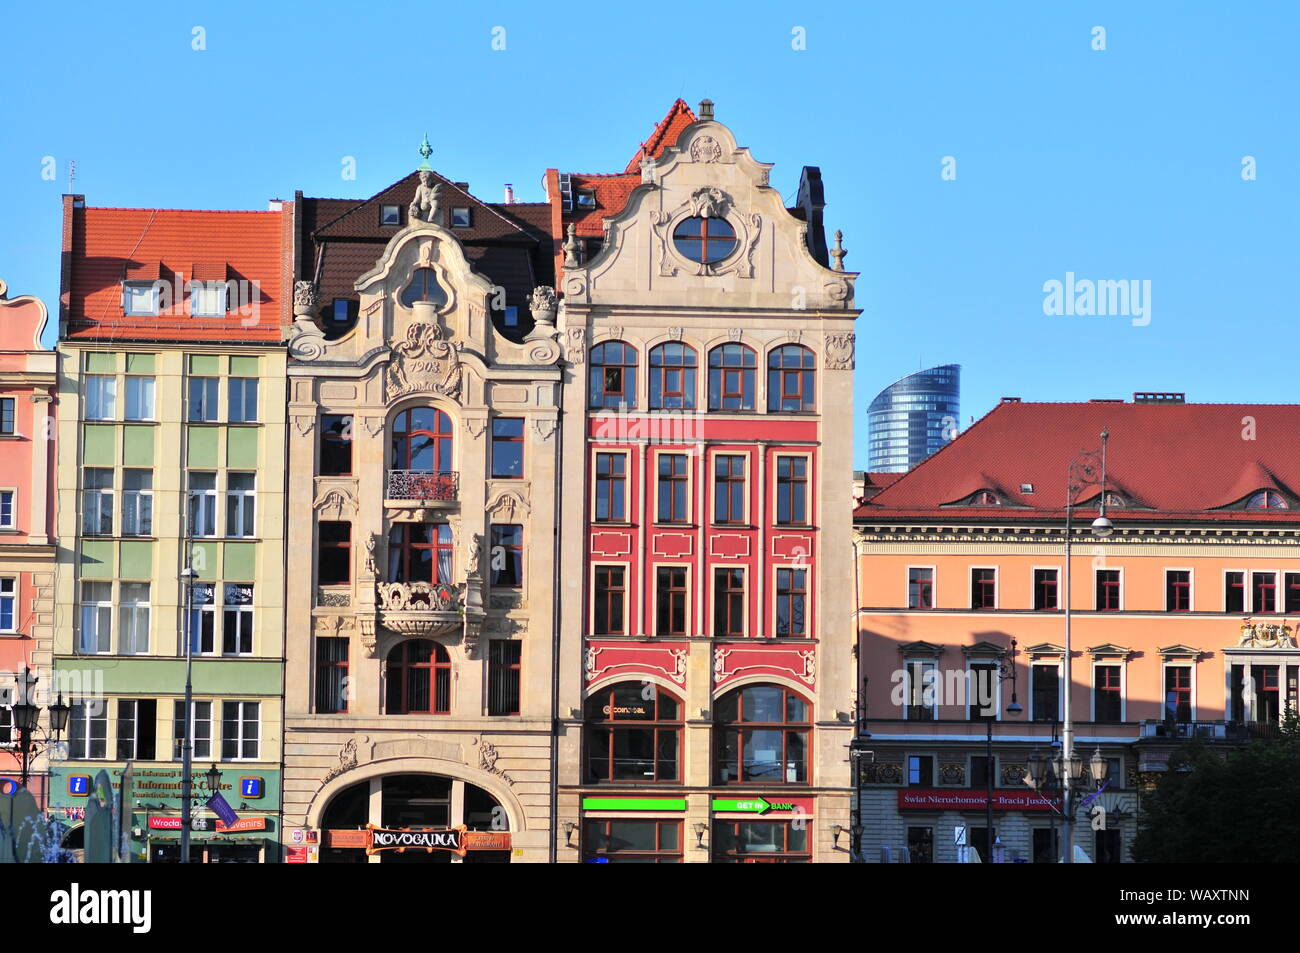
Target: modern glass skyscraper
x=912 y=418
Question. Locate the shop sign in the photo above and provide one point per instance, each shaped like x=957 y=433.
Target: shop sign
x=634 y=803
x=938 y=799
x=157 y=823
x=296 y=854
x=458 y=840
x=242 y=824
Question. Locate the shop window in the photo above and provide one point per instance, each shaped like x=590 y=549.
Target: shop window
x=1046 y=846
x=763 y=733
x=418 y=679
x=632 y=842
x=633 y=733
x=731 y=377
x=761 y=842
x=1107 y=846
x=920 y=845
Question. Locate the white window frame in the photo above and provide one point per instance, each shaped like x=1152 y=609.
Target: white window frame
x=96 y=712
x=135 y=501
x=204 y=754
x=1060 y=685
x=629 y=614
x=1123 y=687
x=134 y=737
x=627 y=516
x=654 y=595
x=996 y=662
x=92 y=501
x=101 y=396
x=746 y=502
x=130 y=299
x=13 y=415
x=1033 y=595
x=201 y=514
x=141 y=390
x=241 y=386
x=239 y=503
x=936 y=688
x=691 y=461
x=1096 y=569
x=934 y=588
x=713 y=596
x=469 y=217
x=9 y=603
x=1177 y=663
x=103 y=620
x=244 y=618
x=208 y=406
x=241 y=721
x=131 y=615
x=201 y=293
x=809 y=630
x=1191 y=587
x=201 y=611
x=777 y=457
x=10 y=521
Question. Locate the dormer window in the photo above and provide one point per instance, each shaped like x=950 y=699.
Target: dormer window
x=460 y=217
x=1267 y=500
x=1114 y=499
x=208 y=299
x=390 y=215
x=424 y=287
x=585 y=198
x=985 y=498
x=140 y=297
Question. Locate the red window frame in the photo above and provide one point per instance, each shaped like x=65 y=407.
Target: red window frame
x=672 y=376
x=612 y=382
x=983 y=588
x=1178 y=590
x=1178 y=682
x=732 y=725
x=1291 y=592
x=401 y=548
x=731 y=377
x=1234 y=591
x=1263 y=592
x=607 y=715
x=790 y=379
x=920 y=587
x=1108 y=690
x=1108 y=583
x=328 y=669
x=604 y=828
x=404 y=440
x=733 y=835
x=1046 y=597
x=406 y=659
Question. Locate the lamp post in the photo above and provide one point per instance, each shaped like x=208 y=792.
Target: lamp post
x=27 y=716
x=1081 y=472
x=187 y=754
x=1067 y=775
x=1005 y=669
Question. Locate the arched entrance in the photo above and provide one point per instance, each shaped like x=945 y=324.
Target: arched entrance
x=412 y=802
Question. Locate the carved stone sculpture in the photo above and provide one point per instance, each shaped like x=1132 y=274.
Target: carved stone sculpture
x=424 y=207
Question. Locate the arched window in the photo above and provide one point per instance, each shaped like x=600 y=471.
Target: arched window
x=672 y=377
x=1266 y=500
x=631 y=737
x=704 y=240
x=420 y=552
x=424 y=287
x=762 y=735
x=790 y=370
x=613 y=375
x=731 y=377
x=422 y=440
x=418 y=679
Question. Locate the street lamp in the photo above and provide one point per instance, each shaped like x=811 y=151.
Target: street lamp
x=214 y=780
x=1005 y=669
x=27 y=717
x=1081 y=472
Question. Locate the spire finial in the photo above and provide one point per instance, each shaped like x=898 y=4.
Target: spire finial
x=838 y=252
x=426 y=150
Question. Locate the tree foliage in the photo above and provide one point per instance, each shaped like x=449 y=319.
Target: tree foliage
x=1208 y=808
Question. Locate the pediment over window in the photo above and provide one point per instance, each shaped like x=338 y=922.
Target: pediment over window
x=1111 y=650
x=920 y=650
x=1180 y=652
x=984 y=650
x=1045 y=650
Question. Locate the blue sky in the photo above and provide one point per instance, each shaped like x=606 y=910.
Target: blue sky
x=1115 y=164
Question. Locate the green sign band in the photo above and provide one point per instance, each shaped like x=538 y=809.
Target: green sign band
x=634 y=803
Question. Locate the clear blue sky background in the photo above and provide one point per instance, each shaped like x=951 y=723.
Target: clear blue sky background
x=1116 y=164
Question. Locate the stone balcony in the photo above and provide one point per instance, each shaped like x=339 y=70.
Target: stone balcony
x=421 y=609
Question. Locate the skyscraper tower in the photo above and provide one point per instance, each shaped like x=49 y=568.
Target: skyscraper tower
x=912 y=418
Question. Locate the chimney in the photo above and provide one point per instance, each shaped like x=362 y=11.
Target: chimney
x=510 y=194
x=275 y=205
x=706 y=109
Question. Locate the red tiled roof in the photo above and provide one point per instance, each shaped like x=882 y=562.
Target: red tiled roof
x=1172 y=461
x=111 y=244
x=611 y=191
x=665 y=134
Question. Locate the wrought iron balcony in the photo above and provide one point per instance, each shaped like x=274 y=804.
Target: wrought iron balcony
x=421 y=609
x=437 y=485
